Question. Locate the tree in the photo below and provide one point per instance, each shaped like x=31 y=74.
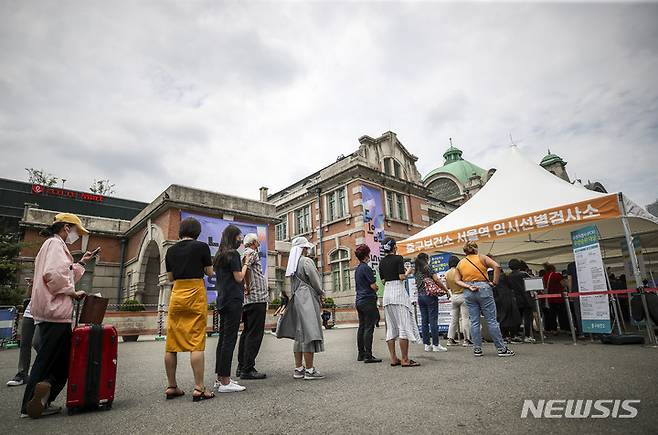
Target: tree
x=102 y=187
x=10 y=247
x=39 y=176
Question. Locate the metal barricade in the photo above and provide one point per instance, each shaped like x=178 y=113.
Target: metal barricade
x=8 y=327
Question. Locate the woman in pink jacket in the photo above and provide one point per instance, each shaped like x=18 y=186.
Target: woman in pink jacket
x=55 y=275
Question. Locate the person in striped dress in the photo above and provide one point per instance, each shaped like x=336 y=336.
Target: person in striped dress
x=400 y=323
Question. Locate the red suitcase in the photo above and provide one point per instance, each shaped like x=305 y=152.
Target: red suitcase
x=92 y=368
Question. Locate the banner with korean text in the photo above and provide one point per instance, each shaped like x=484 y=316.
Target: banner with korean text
x=594 y=309
x=605 y=207
x=373 y=220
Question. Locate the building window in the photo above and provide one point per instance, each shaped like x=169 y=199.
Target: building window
x=280 y=278
x=396 y=206
x=340 y=269
x=389 y=204
x=387 y=166
x=281 y=229
x=392 y=167
x=445 y=189
x=303 y=220
x=401 y=209
x=336 y=204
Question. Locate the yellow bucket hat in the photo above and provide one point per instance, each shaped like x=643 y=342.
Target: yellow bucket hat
x=70 y=218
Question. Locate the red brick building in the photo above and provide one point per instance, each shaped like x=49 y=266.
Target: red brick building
x=327 y=208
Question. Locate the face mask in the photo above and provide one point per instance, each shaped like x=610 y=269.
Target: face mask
x=238 y=243
x=72 y=237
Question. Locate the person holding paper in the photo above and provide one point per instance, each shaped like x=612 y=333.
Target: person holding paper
x=53 y=292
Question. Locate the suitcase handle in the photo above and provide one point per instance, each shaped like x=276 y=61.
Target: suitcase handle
x=77 y=312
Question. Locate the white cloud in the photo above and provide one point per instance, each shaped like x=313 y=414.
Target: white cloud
x=232 y=96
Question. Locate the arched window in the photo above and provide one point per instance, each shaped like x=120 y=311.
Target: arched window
x=445 y=189
x=340 y=269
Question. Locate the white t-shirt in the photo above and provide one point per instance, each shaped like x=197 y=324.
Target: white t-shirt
x=27 y=312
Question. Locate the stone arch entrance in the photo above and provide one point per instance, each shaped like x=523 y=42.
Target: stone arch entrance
x=152 y=286
x=151 y=292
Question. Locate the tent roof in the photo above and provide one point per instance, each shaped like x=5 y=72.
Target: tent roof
x=521 y=187
x=518 y=187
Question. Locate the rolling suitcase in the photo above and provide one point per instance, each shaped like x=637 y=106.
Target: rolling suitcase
x=92 y=368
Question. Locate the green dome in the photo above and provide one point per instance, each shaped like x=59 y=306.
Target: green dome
x=456 y=166
x=550 y=158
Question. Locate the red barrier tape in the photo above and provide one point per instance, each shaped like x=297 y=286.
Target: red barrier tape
x=549 y=296
x=609 y=292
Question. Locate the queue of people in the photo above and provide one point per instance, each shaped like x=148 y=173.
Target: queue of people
x=242 y=297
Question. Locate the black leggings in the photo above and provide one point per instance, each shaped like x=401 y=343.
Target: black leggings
x=52 y=361
x=229 y=326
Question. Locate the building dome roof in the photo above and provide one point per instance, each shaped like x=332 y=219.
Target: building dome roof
x=456 y=166
x=550 y=159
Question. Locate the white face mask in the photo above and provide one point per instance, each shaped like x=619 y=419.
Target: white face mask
x=72 y=237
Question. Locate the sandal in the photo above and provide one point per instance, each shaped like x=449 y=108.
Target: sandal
x=203 y=396
x=396 y=364
x=177 y=392
x=412 y=363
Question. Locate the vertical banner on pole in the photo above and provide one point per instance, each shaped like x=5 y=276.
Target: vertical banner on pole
x=373 y=220
x=594 y=309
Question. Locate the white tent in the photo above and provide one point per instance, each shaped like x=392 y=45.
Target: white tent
x=526 y=212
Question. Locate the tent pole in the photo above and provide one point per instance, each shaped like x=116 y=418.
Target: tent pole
x=636 y=271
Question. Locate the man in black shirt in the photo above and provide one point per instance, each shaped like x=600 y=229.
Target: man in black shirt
x=366 y=305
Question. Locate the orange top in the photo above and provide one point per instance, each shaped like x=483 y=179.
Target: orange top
x=472 y=272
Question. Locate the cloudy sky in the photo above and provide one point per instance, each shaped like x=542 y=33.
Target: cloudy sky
x=233 y=96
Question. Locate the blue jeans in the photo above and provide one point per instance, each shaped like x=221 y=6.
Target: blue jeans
x=429 y=318
x=483 y=301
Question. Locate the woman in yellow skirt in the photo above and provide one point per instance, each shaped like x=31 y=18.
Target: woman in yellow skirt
x=187 y=262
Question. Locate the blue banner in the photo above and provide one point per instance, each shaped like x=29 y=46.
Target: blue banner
x=373 y=219
x=211 y=233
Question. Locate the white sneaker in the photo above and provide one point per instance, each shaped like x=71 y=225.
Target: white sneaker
x=466 y=344
x=16 y=381
x=219 y=384
x=230 y=388
x=439 y=348
x=312 y=374
x=529 y=340
x=428 y=348
x=299 y=374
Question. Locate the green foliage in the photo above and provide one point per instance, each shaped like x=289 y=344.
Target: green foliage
x=102 y=187
x=10 y=247
x=328 y=303
x=212 y=306
x=132 y=305
x=40 y=176
x=276 y=301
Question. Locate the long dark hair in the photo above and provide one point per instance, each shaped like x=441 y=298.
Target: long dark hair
x=422 y=263
x=226 y=246
x=53 y=229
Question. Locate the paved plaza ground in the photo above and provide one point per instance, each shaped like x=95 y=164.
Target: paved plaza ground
x=452 y=392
